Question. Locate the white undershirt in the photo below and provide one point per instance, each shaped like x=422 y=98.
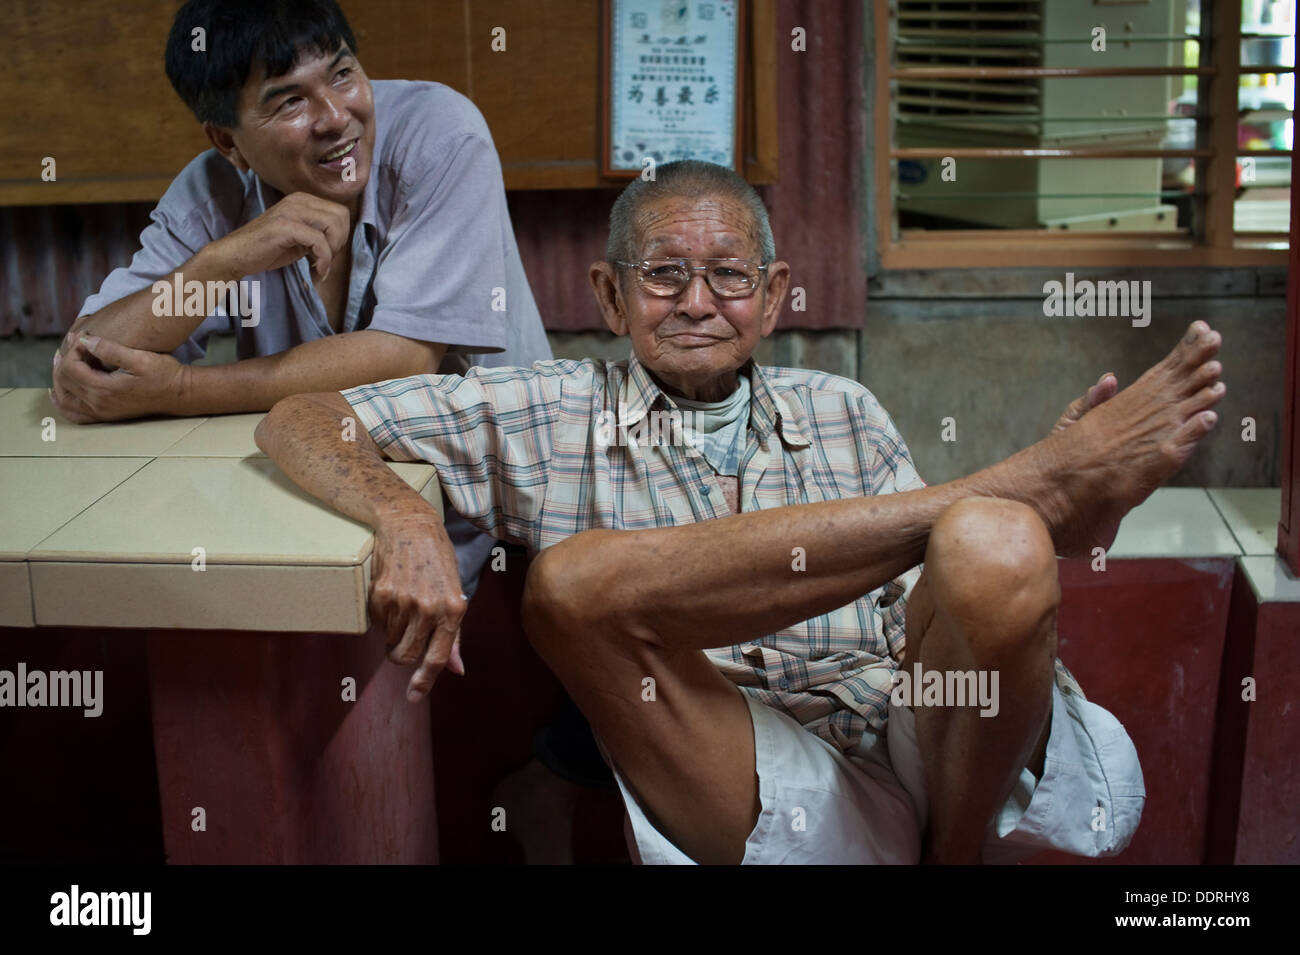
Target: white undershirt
x=717 y=428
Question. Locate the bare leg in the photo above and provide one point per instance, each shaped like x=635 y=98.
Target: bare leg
x=987 y=600
x=683 y=741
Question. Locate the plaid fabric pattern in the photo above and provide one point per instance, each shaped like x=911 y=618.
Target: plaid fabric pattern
x=533 y=455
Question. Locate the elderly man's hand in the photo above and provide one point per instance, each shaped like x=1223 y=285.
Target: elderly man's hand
x=100 y=380
x=416 y=594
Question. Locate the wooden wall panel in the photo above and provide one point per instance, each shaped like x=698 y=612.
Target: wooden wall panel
x=84 y=83
x=400 y=40
x=540 y=97
x=87 y=87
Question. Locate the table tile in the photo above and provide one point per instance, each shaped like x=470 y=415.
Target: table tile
x=15 y=595
x=25 y=414
x=284 y=598
x=1174 y=522
x=37 y=496
x=222 y=436
x=1271 y=580
x=40 y=495
x=1251 y=513
x=276 y=559
x=240 y=510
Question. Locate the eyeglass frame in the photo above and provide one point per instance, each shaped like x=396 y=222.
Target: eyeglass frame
x=691 y=270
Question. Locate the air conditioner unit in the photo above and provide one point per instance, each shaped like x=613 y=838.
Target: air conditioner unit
x=956 y=113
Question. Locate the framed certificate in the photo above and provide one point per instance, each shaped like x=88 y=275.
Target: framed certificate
x=673 y=89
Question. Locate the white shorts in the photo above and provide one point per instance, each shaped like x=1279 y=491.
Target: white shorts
x=868 y=806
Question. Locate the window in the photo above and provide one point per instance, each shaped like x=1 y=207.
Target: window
x=1083 y=132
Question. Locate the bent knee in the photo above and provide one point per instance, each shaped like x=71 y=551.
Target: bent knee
x=558 y=589
x=995 y=555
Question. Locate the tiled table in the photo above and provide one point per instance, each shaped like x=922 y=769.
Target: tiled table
x=250 y=596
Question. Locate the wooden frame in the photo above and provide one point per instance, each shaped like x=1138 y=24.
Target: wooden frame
x=739 y=158
x=1219 y=246
x=762 y=134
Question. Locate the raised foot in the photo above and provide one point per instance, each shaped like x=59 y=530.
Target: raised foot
x=1123 y=448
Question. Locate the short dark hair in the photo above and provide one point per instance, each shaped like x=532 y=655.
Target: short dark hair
x=238 y=34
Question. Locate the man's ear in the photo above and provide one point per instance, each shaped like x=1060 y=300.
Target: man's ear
x=778 y=281
x=224 y=141
x=604 y=282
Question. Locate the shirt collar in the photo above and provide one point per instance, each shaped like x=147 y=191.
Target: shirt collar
x=768 y=409
x=370 y=195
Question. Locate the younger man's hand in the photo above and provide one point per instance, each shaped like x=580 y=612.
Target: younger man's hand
x=299 y=224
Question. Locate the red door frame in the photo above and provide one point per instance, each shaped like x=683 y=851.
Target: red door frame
x=1288 y=528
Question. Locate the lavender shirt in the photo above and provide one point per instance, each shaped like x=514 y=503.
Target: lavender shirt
x=432 y=256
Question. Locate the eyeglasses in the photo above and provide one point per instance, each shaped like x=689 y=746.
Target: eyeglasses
x=728 y=278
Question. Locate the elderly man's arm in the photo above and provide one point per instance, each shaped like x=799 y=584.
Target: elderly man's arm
x=742 y=572
x=147 y=383
x=415 y=582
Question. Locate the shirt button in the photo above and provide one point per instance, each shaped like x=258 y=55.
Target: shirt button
x=704 y=488
x=785 y=683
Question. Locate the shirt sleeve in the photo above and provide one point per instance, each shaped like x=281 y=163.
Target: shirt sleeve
x=441 y=274
x=178 y=228
x=488 y=435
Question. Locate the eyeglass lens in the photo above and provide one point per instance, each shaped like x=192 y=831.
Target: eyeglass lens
x=669 y=277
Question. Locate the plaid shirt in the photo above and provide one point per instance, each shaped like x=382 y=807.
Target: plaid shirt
x=533 y=455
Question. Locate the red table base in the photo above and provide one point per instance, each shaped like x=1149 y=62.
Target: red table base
x=253 y=729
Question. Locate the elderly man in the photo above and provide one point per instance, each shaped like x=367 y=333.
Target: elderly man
x=727 y=606
x=346 y=232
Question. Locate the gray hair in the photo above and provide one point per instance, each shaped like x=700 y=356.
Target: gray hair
x=683 y=179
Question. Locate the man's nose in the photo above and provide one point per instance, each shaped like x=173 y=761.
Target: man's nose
x=697 y=299
x=330 y=113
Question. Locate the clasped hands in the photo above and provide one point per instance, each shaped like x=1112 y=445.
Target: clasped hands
x=96 y=379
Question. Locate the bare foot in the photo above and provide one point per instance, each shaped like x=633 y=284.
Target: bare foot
x=1124 y=447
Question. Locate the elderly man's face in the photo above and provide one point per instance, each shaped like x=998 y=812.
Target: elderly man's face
x=311 y=130
x=694 y=342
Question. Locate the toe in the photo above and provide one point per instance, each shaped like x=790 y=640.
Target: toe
x=1205 y=398
x=1204 y=377
x=1193 y=430
x=1198 y=345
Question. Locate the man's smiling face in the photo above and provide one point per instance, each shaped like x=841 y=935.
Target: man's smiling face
x=298 y=131
x=695 y=341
